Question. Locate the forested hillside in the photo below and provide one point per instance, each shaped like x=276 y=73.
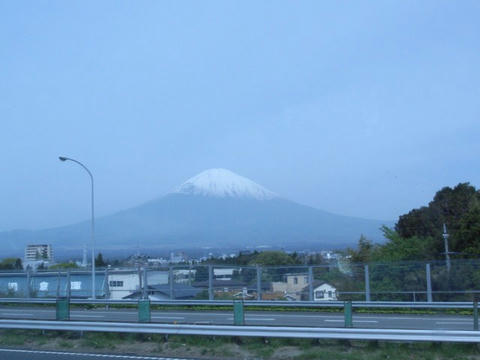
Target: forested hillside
x=418 y=234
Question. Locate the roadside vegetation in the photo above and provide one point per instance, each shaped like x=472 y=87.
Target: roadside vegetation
x=208 y=347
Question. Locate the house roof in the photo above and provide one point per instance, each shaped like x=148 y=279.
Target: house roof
x=316 y=284
x=219 y=283
x=180 y=291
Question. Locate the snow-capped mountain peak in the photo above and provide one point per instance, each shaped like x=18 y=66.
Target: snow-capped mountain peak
x=224 y=183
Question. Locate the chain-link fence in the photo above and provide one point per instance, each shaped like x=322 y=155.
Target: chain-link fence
x=459 y=280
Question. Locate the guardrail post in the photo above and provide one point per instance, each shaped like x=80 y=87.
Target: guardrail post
x=170 y=282
x=348 y=314
x=210 y=282
x=310 y=283
x=367 y=284
x=475 y=314
x=429 y=283
x=63 y=309
x=238 y=313
x=259 y=282
x=144 y=310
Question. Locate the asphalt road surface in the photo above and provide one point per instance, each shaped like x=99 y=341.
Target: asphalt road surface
x=271 y=318
x=17 y=354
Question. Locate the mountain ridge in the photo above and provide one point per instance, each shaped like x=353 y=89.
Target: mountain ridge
x=216 y=208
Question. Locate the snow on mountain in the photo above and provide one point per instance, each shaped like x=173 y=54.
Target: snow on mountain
x=224 y=183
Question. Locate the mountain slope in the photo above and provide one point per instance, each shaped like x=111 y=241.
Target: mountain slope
x=217 y=208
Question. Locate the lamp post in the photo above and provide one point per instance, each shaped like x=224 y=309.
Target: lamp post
x=63 y=158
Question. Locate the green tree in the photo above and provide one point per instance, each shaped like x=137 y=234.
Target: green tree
x=398 y=248
x=11 y=264
x=99 y=261
x=64 y=265
x=467 y=239
x=364 y=253
x=271 y=258
x=457 y=208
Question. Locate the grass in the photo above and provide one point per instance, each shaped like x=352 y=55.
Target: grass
x=238 y=347
x=101 y=340
x=66 y=344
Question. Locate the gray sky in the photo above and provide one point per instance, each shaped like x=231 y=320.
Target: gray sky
x=358 y=108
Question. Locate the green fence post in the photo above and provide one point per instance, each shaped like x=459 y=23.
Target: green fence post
x=348 y=314
x=144 y=310
x=238 y=313
x=475 y=314
x=63 y=309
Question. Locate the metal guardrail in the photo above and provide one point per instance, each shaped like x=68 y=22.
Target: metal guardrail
x=254 y=331
x=264 y=303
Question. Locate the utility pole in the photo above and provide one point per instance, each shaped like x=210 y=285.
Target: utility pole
x=445 y=241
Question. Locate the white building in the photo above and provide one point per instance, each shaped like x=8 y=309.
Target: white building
x=38 y=253
x=223 y=273
x=324 y=292
x=123 y=284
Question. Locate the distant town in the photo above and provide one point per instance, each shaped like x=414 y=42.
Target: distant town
x=41 y=257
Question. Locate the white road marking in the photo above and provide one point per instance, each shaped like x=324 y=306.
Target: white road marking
x=168 y=317
x=88 y=316
x=255 y=319
x=17 y=314
x=355 y=321
x=365 y=321
x=278 y=316
x=453 y=322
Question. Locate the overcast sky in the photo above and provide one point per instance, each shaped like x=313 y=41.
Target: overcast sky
x=358 y=108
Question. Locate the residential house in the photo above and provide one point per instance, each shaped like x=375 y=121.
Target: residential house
x=322 y=291
x=292 y=286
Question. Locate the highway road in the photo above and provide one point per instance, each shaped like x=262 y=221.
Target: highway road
x=379 y=321
x=18 y=354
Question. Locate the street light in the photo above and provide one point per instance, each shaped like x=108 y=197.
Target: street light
x=63 y=158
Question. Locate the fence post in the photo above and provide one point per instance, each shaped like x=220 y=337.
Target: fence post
x=190 y=278
x=68 y=290
x=429 y=283
x=170 y=282
x=367 y=284
x=210 y=282
x=58 y=284
x=106 y=286
x=28 y=284
x=310 y=283
x=259 y=282
x=348 y=314
x=145 y=283
x=139 y=272
x=475 y=314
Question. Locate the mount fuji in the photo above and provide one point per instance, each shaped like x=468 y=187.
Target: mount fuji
x=216 y=208
x=224 y=183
